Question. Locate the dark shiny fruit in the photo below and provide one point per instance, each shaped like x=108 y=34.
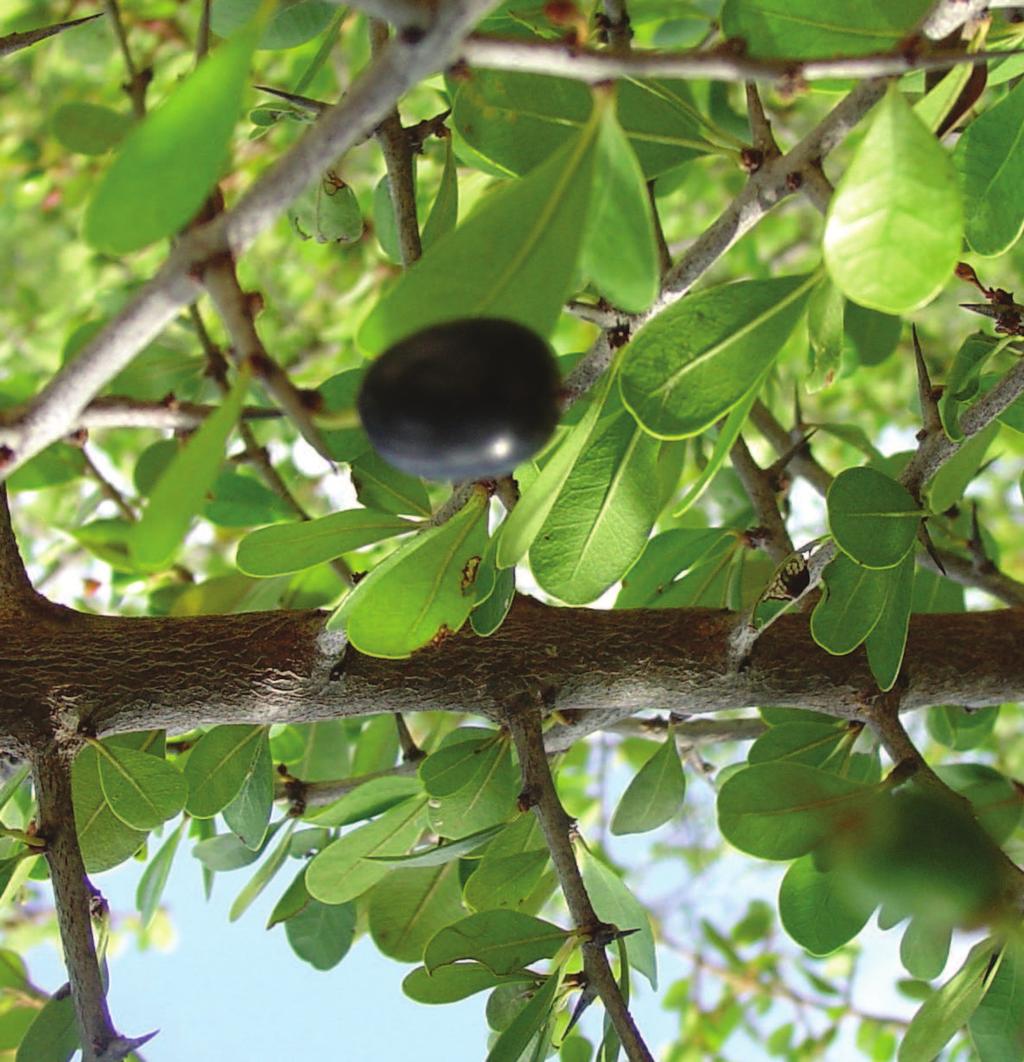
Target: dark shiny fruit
x=468 y=399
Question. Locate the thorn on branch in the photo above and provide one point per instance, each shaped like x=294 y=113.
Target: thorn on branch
x=928 y=396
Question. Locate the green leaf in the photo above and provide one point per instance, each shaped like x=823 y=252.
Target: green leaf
x=825 y=312
x=666 y=555
x=872 y=517
x=104 y=839
x=620 y=254
x=181 y=491
x=853 y=602
x=517 y=121
x=53 y=1036
x=341 y=872
x=466 y=755
x=503 y=941
x=443 y=853
x=603 y=514
x=727 y=435
x=887 y=641
x=264 y=873
x=524 y=523
x=89 y=128
x=655 y=794
x=489 y=799
x=807 y=742
x=143 y=791
x=515 y=256
x=783 y=810
x=964 y=380
x=423 y=589
x=321 y=934
x=506 y=881
x=218 y=766
x=806 y=29
x=154 y=877
x=293 y=23
x=614 y=903
x=448 y=984
x=895 y=223
x=516 y=1038
x=997 y=1025
x=695 y=361
x=369 y=799
x=328 y=211
x=379 y=486
x=870 y=336
x=283 y=548
x=990 y=158
x=961 y=728
x=180 y=149
x=996 y=799
x=248 y=814
x=239 y=501
x=949 y=1008
x=445 y=212
x=815 y=913
x=409 y=907
x=924 y=948
x=225 y=851
x=947 y=486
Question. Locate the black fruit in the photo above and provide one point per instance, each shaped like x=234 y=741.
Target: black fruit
x=468 y=399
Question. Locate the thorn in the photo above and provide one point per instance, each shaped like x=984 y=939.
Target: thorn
x=925 y=539
x=930 y=419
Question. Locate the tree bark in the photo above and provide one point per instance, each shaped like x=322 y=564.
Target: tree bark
x=106 y=675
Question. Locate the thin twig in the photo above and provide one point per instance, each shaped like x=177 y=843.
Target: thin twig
x=107 y=488
x=138 y=80
x=567 y=59
x=73 y=898
x=398 y=158
x=761 y=491
x=236 y=310
x=616 y=23
x=524 y=723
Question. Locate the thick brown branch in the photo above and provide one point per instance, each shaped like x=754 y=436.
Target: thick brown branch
x=524 y=723
x=122 y=674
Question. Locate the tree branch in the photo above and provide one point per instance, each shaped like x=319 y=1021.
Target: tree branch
x=759 y=488
x=569 y=60
x=73 y=898
x=398 y=158
x=236 y=310
x=524 y=723
x=599 y=666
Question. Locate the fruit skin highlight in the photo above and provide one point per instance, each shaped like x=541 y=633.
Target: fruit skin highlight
x=464 y=400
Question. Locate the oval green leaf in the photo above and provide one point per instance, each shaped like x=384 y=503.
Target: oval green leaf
x=895 y=224
x=284 y=548
x=143 y=791
x=422 y=589
x=872 y=517
x=692 y=363
x=503 y=941
x=168 y=164
x=655 y=794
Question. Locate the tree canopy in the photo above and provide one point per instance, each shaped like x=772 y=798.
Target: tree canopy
x=758 y=596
